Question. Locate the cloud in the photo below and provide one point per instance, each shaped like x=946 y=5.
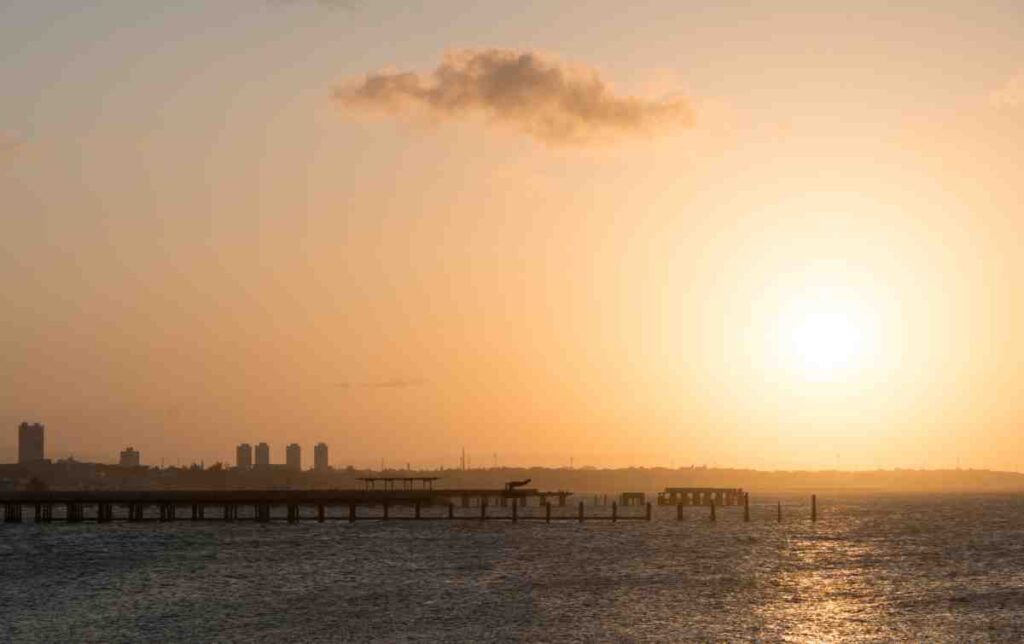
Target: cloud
x=551 y=101
x=1010 y=94
x=393 y=383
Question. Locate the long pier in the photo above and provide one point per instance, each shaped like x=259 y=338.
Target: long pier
x=422 y=504
x=297 y=505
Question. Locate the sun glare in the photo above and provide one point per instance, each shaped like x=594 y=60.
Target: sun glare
x=824 y=335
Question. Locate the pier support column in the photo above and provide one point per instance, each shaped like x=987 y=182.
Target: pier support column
x=814 y=507
x=615 y=511
x=483 y=510
x=351 y=512
x=648 y=515
x=580 y=512
x=451 y=510
x=12 y=512
x=320 y=513
x=385 y=510
x=712 y=506
x=778 y=510
x=547 y=512
x=746 y=507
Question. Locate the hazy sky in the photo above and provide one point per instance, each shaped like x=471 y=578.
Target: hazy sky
x=767 y=234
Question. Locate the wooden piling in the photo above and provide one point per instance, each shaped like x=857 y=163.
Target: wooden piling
x=483 y=510
x=814 y=507
x=451 y=510
x=712 y=506
x=351 y=512
x=417 y=509
x=746 y=507
x=679 y=511
x=778 y=511
x=547 y=512
x=581 y=512
x=615 y=511
x=648 y=517
x=320 y=512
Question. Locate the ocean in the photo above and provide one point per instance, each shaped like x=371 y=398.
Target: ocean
x=873 y=568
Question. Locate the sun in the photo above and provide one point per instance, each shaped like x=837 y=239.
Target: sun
x=825 y=334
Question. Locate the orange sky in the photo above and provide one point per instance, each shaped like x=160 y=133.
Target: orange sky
x=780 y=237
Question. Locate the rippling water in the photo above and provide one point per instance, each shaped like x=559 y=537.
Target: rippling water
x=873 y=568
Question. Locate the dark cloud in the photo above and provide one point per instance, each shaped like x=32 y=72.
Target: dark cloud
x=552 y=101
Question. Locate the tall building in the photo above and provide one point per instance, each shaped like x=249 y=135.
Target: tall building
x=262 y=455
x=129 y=458
x=293 y=457
x=243 y=456
x=30 y=442
x=320 y=458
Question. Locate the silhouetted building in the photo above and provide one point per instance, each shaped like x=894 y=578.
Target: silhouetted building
x=262 y=455
x=243 y=456
x=30 y=442
x=129 y=458
x=320 y=458
x=293 y=457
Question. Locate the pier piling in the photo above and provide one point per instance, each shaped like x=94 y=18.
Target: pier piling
x=814 y=507
x=712 y=506
x=547 y=512
x=615 y=511
x=746 y=507
x=648 y=516
x=679 y=512
x=581 y=512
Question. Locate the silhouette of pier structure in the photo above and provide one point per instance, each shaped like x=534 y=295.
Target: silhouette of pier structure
x=399 y=498
x=688 y=496
x=420 y=504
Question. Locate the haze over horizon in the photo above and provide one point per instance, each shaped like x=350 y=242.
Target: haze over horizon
x=780 y=236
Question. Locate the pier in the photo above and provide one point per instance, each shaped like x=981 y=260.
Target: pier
x=404 y=502
x=687 y=496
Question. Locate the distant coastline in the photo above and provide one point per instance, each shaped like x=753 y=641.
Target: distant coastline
x=80 y=475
